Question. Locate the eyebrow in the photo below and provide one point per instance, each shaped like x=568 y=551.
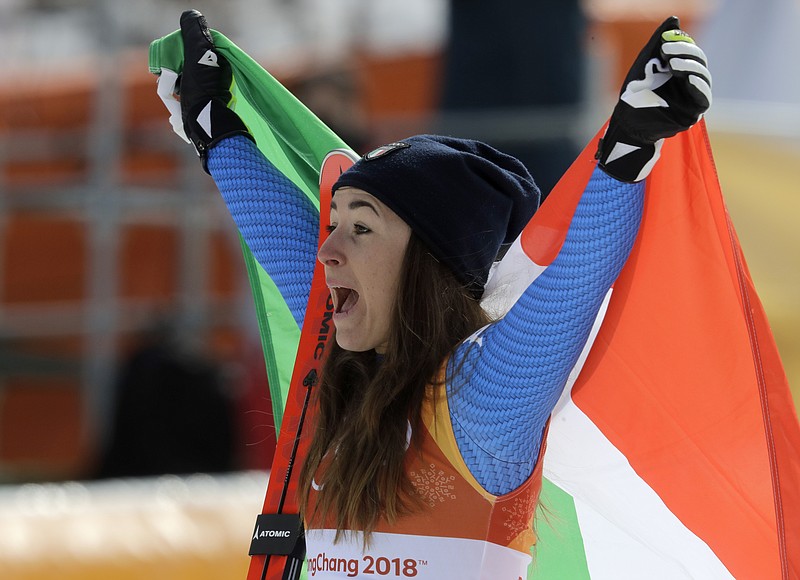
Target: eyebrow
x=357 y=203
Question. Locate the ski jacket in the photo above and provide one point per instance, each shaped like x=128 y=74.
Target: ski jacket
x=462 y=531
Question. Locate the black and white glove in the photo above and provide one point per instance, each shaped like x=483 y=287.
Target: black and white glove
x=202 y=89
x=667 y=90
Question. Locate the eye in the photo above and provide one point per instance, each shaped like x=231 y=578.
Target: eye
x=358 y=229
x=330 y=227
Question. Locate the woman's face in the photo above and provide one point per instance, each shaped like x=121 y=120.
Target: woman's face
x=363 y=256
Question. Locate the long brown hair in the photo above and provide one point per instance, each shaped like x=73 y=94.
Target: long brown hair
x=365 y=405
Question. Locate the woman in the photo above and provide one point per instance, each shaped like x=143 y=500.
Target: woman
x=427 y=455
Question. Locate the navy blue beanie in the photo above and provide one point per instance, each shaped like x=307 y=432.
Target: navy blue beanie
x=463 y=198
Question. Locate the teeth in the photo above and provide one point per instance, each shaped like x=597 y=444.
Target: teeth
x=350 y=300
x=339 y=295
x=343 y=298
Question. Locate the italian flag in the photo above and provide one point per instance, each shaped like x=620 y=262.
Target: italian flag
x=675 y=449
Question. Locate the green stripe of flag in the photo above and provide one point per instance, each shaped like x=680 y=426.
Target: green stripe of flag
x=278 y=331
x=559 y=551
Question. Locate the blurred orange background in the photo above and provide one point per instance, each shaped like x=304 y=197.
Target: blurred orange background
x=107 y=226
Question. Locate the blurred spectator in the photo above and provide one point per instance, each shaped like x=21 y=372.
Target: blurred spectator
x=172 y=414
x=511 y=56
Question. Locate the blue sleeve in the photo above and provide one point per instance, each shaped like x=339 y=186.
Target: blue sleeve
x=511 y=375
x=277 y=221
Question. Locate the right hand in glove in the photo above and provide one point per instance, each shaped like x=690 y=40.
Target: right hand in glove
x=667 y=90
x=203 y=89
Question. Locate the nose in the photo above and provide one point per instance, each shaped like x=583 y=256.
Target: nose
x=329 y=253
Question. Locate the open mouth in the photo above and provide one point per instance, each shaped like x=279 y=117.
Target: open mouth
x=343 y=299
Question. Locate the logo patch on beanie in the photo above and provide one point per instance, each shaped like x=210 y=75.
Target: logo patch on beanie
x=384 y=150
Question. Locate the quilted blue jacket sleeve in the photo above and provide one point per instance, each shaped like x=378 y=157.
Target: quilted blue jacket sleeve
x=276 y=220
x=511 y=374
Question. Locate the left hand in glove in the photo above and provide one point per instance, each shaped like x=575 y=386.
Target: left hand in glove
x=666 y=91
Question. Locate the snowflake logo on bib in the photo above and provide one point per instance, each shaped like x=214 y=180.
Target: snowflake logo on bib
x=519 y=516
x=433 y=485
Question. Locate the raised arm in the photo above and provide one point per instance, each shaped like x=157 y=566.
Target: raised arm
x=276 y=220
x=512 y=373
